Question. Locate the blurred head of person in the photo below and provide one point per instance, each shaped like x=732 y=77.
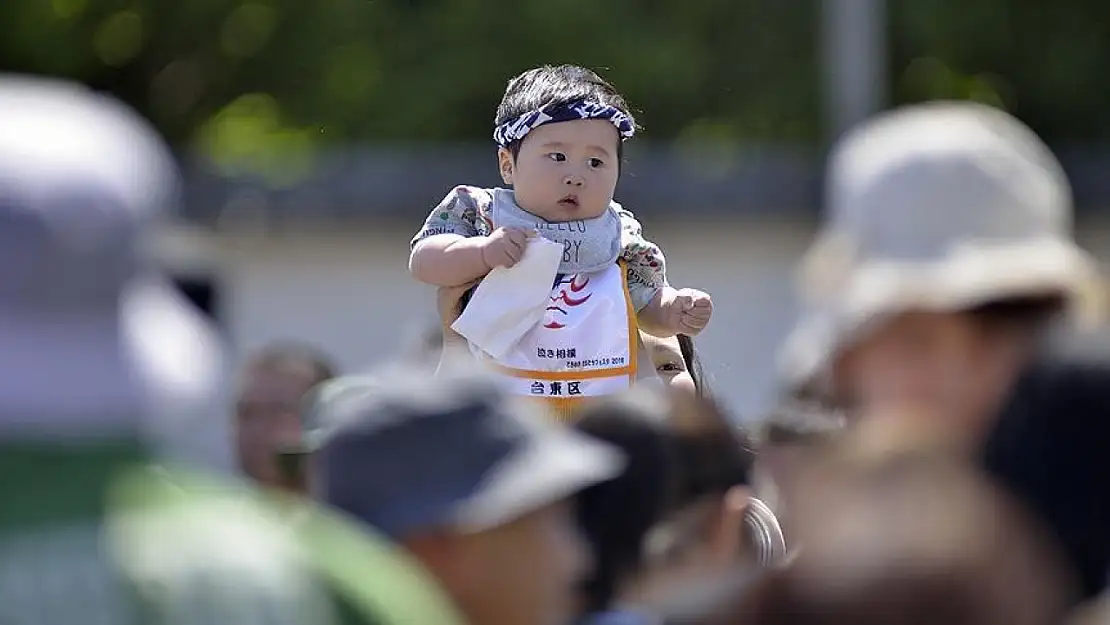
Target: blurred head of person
x=897 y=530
x=948 y=248
x=713 y=526
x=716 y=459
x=957 y=365
x=99 y=345
x=470 y=481
x=679 y=516
x=561 y=130
x=268 y=411
x=677 y=362
x=616 y=515
x=786 y=439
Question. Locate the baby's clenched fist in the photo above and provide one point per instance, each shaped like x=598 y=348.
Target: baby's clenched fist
x=504 y=247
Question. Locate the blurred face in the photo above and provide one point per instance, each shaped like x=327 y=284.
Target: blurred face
x=523 y=573
x=267 y=418
x=669 y=364
x=565 y=171
x=776 y=467
x=946 y=366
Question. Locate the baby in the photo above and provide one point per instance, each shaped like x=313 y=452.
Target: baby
x=560 y=133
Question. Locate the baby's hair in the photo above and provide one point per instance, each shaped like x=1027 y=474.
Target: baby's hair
x=555 y=84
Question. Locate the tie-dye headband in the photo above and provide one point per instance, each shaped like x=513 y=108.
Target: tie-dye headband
x=516 y=129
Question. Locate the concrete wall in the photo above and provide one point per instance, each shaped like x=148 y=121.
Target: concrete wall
x=348 y=291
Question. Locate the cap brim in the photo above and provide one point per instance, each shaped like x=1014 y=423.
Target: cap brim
x=558 y=463
x=963 y=280
x=71 y=374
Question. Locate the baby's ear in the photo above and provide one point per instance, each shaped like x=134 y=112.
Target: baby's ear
x=505 y=165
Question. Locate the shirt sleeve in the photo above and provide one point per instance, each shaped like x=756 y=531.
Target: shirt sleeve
x=646 y=265
x=461 y=212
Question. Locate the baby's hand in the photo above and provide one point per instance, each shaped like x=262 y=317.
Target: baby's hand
x=689 y=312
x=504 y=247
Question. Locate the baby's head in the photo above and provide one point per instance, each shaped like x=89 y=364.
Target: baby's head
x=560 y=131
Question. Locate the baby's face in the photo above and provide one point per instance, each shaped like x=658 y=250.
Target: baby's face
x=565 y=171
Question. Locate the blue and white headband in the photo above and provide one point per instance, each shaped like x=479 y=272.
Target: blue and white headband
x=515 y=130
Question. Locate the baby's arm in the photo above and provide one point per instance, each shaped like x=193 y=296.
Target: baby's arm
x=448 y=260
x=662 y=310
x=676 y=311
x=448 y=249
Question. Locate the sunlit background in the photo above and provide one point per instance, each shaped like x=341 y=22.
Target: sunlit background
x=316 y=134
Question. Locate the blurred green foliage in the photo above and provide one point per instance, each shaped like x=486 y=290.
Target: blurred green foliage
x=265 y=76
x=250 y=79
x=1047 y=62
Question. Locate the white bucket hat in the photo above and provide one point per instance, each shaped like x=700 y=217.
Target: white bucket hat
x=93 y=338
x=940 y=206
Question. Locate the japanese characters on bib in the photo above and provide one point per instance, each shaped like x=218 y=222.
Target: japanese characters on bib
x=585 y=346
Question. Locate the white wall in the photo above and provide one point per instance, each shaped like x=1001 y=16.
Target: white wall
x=349 y=292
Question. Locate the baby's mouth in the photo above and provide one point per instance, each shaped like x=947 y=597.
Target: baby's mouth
x=570 y=201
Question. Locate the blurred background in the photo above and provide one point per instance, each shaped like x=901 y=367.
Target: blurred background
x=316 y=134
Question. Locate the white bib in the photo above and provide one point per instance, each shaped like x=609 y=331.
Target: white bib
x=584 y=347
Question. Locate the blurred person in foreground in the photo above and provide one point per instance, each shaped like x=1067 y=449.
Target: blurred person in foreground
x=898 y=530
x=473 y=482
x=715 y=490
x=937 y=291
x=679 y=367
x=617 y=515
x=787 y=439
x=268 y=406
x=105 y=370
x=679 y=517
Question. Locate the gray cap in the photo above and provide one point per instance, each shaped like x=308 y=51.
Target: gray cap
x=938 y=206
x=88 y=328
x=407 y=451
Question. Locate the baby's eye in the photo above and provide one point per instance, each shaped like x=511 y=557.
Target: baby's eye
x=669 y=367
x=596 y=163
x=558 y=157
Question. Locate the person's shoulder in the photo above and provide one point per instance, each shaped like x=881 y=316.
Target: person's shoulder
x=1050 y=446
x=183 y=530
x=196 y=545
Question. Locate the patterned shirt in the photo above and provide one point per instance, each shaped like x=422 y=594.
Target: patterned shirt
x=466 y=212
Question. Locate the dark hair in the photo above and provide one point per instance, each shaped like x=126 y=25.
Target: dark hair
x=1020 y=312
x=693 y=363
x=293 y=354
x=615 y=516
x=555 y=84
x=714 y=454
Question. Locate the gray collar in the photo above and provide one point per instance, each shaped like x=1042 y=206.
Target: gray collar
x=588 y=245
